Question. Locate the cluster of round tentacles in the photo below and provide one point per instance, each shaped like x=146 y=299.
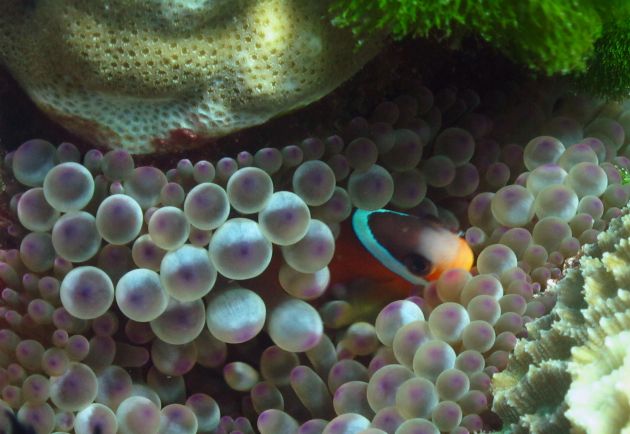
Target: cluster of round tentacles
x=200 y=298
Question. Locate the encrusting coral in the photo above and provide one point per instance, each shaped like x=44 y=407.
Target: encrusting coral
x=203 y=298
x=148 y=76
x=572 y=368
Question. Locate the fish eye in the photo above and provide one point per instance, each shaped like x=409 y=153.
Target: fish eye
x=417 y=264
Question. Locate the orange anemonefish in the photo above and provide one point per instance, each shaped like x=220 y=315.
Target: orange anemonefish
x=388 y=252
x=396 y=250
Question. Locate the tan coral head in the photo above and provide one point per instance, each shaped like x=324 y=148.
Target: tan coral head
x=138 y=74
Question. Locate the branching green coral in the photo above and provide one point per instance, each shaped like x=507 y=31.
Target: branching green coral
x=608 y=71
x=549 y=35
x=587 y=38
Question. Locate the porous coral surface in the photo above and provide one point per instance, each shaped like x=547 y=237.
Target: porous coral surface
x=149 y=76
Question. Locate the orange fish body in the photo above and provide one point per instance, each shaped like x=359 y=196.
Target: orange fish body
x=352 y=261
x=387 y=251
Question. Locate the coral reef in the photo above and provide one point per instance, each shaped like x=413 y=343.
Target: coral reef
x=206 y=296
x=151 y=76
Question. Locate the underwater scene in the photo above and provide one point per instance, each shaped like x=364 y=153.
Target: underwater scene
x=314 y=216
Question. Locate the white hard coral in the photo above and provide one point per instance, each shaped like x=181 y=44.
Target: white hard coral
x=571 y=374
x=146 y=75
x=598 y=398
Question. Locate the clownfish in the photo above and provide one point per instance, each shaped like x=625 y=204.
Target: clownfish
x=396 y=251
x=390 y=253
